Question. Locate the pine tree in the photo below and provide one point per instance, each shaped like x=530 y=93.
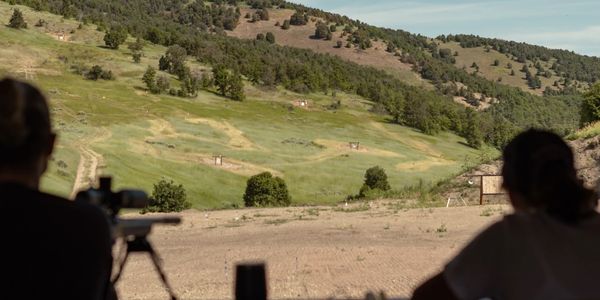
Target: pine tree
x=236 y=87
x=221 y=79
x=149 y=79
x=270 y=37
x=17 y=21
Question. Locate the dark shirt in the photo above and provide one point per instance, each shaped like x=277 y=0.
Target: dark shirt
x=52 y=248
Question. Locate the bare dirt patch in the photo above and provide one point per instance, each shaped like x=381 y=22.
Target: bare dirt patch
x=236 y=136
x=311 y=252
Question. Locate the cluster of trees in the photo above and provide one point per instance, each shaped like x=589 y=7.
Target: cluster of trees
x=568 y=64
x=151 y=20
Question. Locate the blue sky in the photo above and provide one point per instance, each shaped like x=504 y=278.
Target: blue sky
x=572 y=25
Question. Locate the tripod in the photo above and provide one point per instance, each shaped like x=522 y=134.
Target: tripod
x=141 y=244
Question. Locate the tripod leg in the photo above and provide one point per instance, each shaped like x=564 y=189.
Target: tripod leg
x=156 y=261
x=121 y=267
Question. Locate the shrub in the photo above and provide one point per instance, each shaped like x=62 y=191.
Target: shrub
x=167 y=197
x=137 y=57
x=115 y=37
x=41 y=23
x=265 y=190
x=270 y=37
x=96 y=72
x=375 y=181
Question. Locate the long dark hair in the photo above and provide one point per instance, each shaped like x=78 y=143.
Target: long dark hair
x=25 y=128
x=540 y=166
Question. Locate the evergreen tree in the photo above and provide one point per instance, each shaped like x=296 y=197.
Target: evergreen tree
x=162 y=84
x=221 y=79
x=472 y=132
x=236 y=87
x=591 y=104
x=270 y=37
x=149 y=79
x=17 y=21
x=321 y=31
x=375 y=180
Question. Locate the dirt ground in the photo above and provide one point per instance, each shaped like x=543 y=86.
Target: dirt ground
x=310 y=252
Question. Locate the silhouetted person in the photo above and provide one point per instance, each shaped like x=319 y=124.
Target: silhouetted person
x=549 y=248
x=52 y=248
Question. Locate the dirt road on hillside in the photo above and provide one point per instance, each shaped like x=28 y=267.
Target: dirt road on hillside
x=313 y=252
x=89 y=162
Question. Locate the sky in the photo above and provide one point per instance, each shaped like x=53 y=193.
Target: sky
x=568 y=24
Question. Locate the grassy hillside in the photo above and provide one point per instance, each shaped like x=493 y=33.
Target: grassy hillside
x=117 y=128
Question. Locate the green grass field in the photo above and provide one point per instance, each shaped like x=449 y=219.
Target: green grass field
x=141 y=138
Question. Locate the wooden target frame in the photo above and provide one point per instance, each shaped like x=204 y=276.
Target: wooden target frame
x=490 y=185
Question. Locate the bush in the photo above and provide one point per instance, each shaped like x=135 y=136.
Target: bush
x=115 y=37
x=270 y=37
x=167 y=197
x=96 y=72
x=265 y=190
x=375 y=181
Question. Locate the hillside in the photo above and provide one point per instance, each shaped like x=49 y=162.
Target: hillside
x=201 y=28
x=302 y=37
x=116 y=127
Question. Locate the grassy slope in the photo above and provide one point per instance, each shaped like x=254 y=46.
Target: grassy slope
x=118 y=118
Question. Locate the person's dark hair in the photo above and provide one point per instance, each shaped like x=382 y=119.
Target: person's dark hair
x=25 y=129
x=540 y=166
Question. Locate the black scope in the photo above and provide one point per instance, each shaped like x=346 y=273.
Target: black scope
x=112 y=201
